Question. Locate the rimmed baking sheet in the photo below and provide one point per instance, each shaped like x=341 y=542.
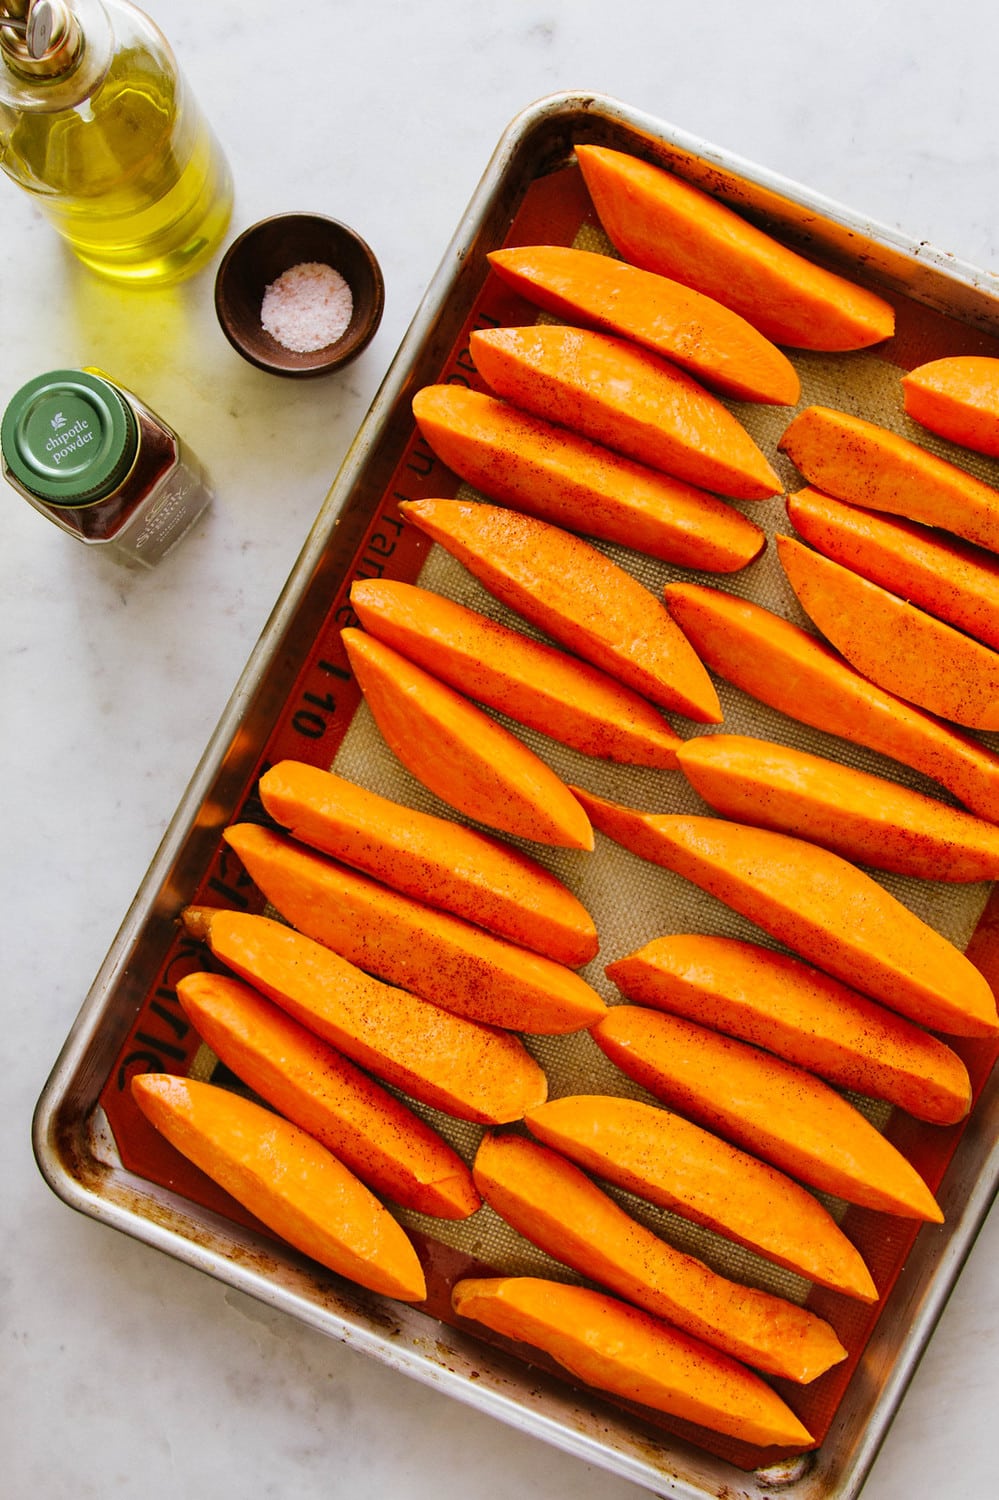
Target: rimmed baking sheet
x=297 y=698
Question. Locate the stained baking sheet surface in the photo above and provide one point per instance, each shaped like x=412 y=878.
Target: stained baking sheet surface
x=297 y=698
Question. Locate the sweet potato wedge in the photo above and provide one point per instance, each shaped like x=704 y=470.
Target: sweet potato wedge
x=431 y=859
x=856 y=814
x=787 y=668
x=858 y=461
x=665 y=224
x=900 y=647
x=531 y=681
x=392 y=1150
x=429 y=952
x=548 y=1200
x=461 y=1067
x=775 y=1001
x=569 y=589
x=696 y=332
x=461 y=754
x=949 y=578
x=770 y=1107
x=827 y=910
x=288 y=1180
x=677 y=1165
x=958 y=399
x=529 y=464
x=636 y=403
x=621 y=1350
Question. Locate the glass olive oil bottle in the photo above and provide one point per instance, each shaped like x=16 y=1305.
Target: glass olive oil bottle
x=99 y=125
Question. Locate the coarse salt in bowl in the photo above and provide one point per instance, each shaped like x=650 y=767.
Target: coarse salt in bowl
x=299 y=294
x=308 y=308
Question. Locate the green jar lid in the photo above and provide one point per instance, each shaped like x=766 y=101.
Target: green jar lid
x=68 y=437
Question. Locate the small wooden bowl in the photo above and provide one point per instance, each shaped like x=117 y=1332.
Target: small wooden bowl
x=263 y=253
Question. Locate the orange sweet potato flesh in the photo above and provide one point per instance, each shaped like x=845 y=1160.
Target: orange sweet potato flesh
x=795 y=1011
x=531 y=681
x=768 y=1106
x=665 y=224
x=825 y=909
x=531 y=465
x=634 y=402
x=957 y=398
x=432 y=953
x=863 y=817
x=288 y=1180
x=855 y=460
x=570 y=590
x=696 y=332
x=392 y=1150
x=898 y=646
x=621 y=1350
x=949 y=578
x=432 y=859
x=788 y=669
x=546 y=1198
x=461 y=1067
x=462 y=755
x=670 y=1161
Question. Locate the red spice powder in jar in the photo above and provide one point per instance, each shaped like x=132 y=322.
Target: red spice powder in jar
x=308 y=307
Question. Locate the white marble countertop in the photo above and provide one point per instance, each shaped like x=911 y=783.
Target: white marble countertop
x=123 y=1373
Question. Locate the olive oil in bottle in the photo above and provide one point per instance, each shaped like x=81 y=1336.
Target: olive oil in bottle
x=100 y=126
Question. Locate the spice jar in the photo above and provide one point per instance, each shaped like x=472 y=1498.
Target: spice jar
x=90 y=456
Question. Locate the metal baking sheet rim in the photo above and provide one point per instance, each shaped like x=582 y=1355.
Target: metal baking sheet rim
x=439 y=1355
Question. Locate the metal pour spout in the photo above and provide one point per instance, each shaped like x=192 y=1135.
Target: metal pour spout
x=39 y=38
